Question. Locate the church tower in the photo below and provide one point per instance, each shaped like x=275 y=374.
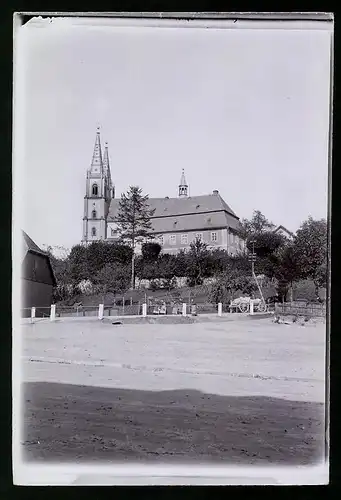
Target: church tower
x=183 y=186
x=97 y=195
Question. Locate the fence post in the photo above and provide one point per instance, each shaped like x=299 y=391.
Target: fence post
x=220 y=309
x=33 y=313
x=100 y=311
x=144 y=309
x=251 y=306
x=184 y=307
x=123 y=304
x=53 y=312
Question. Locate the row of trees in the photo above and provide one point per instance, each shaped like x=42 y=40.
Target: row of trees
x=114 y=266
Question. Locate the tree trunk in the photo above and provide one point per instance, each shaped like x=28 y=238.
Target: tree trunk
x=133 y=270
x=291 y=294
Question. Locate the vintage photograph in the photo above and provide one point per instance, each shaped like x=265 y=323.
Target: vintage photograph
x=171 y=230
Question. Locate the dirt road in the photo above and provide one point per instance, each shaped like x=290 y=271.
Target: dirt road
x=238 y=394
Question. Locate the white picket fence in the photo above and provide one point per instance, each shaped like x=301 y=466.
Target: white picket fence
x=101 y=311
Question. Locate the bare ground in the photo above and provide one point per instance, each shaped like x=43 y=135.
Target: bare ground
x=67 y=422
x=242 y=393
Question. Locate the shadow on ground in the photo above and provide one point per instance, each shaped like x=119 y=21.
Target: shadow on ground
x=79 y=423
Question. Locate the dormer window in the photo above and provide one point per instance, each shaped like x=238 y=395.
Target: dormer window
x=94 y=190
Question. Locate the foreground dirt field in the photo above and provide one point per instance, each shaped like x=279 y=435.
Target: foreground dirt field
x=240 y=392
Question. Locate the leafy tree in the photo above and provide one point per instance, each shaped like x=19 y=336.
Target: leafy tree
x=230 y=283
x=97 y=255
x=78 y=262
x=151 y=251
x=149 y=271
x=267 y=265
x=112 y=278
x=199 y=263
x=221 y=261
x=282 y=289
x=100 y=253
x=180 y=264
x=133 y=221
x=240 y=263
x=119 y=253
x=265 y=243
x=287 y=270
x=311 y=251
x=60 y=267
x=257 y=224
x=321 y=276
x=166 y=266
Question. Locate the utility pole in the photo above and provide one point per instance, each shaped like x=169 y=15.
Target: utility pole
x=252 y=259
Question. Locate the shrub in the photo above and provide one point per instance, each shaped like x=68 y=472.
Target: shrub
x=229 y=284
x=86 y=287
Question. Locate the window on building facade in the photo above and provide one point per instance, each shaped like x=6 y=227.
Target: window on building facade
x=113 y=231
x=93 y=231
x=214 y=236
x=94 y=214
x=199 y=236
x=184 y=239
x=161 y=240
x=94 y=190
x=172 y=239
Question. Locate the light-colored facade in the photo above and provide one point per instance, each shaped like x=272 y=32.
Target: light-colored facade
x=176 y=222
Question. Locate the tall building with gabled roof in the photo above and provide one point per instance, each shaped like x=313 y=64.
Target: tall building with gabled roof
x=176 y=222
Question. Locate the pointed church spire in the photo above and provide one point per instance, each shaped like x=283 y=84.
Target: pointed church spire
x=183 y=186
x=97 y=162
x=106 y=164
x=107 y=172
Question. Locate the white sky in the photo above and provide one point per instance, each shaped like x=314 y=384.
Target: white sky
x=243 y=111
